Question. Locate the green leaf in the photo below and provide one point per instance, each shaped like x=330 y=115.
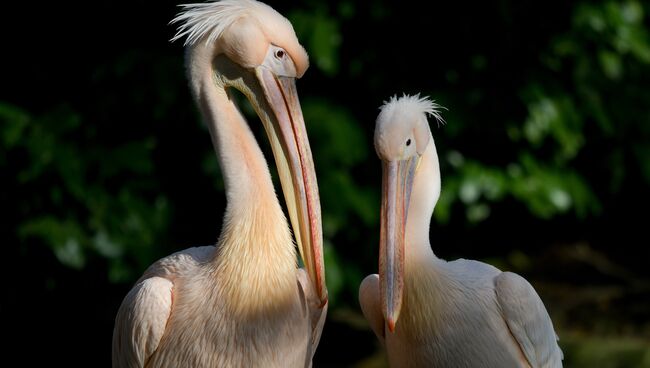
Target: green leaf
x=477 y=212
x=632 y=12
x=555 y=118
x=70 y=253
x=14 y=122
x=611 y=64
x=106 y=246
x=64 y=237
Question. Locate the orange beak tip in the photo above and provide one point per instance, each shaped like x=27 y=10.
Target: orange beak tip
x=323 y=302
x=391 y=325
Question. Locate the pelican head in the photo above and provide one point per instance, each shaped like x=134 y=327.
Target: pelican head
x=247 y=45
x=402 y=136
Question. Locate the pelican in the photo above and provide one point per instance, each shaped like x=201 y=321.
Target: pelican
x=428 y=312
x=243 y=302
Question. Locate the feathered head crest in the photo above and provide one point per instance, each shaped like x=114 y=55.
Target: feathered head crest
x=413 y=104
x=210 y=19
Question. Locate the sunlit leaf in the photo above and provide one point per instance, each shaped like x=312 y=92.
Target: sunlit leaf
x=478 y=212
x=105 y=246
x=611 y=64
x=64 y=237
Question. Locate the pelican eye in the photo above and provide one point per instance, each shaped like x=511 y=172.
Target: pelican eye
x=279 y=54
x=408 y=142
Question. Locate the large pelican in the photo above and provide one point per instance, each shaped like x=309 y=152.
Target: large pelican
x=243 y=303
x=428 y=312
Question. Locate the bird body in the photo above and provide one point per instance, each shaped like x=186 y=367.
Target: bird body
x=427 y=311
x=243 y=302
x=450 y=318
x=269 y=334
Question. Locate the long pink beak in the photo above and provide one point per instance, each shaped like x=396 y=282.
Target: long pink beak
x=296 y=170
x=397 y=183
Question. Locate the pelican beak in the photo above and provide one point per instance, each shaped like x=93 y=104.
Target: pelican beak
x=397 y=183
x=285 y=127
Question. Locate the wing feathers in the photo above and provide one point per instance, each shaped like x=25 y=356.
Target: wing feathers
x=528 y=320
x=141 y=321
x=371 y=305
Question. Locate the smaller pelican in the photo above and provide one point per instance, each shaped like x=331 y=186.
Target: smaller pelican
x=451 y=314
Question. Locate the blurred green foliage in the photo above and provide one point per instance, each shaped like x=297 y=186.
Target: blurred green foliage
x=85 y=200
x=547 y=144
x=607 y=43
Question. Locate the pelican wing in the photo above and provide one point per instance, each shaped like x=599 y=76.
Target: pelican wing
x=528 y=320
x=371 y=305
x=140 y=322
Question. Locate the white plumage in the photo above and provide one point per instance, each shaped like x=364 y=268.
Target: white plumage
x=243 y=303
x=427 y=311
x=207 y=21
x=411 y=104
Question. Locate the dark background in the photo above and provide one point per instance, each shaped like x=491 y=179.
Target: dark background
x=545 y=159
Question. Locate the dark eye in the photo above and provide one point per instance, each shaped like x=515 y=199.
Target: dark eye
x=408 y=142
x=279 y=54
